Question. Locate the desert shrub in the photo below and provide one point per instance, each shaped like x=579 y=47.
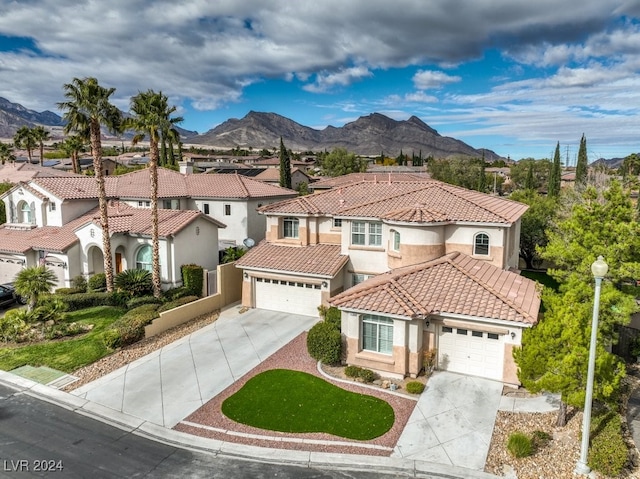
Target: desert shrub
x=79 y=283
x=414 y=387
x=608 y=452
x=135 y=282
x=192 y=279
x=13 y=324
x=177 y=302
x=519 y=445
x=63 y=330
x=135 y=302
x=111 y=338
x=352 y=371
x=130 y=326
x=97 y=282
x=324 y=343
x=367 y=375
x=51 y=310
x=540 y=439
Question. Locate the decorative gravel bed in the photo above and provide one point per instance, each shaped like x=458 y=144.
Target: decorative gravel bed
x=128 y=354
x=294 y=356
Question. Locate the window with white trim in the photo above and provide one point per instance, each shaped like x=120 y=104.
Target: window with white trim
x=357 y=278
x=25 y=213
x=395 y=240
x=365 y=233
x=290 y=227
x=171 y=204
x=481 y=244
x=144 y=204
x=205 y=207
x=337 y=223
x=144 y=258
x=377 y=334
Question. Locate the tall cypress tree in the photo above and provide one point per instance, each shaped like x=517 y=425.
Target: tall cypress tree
x=285 y=167
x=528 y=183
x=582 y=166
x=554 y=175
x=482 y=184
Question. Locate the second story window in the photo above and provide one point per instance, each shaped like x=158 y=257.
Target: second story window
x=481 y=244
x=366 y=234
x=337 y=223
x=206 y=208
x=227 y=210
x=395 y=241
x=25 y=213
x=290 y=227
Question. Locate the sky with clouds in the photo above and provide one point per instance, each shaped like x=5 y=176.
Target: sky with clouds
x=513 y=76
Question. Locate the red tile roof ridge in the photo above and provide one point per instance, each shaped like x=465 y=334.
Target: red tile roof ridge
x=419 y=185
x=242 y=185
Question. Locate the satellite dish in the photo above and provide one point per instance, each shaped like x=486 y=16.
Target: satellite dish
x=249 y=242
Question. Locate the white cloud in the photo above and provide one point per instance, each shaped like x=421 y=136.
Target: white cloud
x=325 y=82
x=429 y=79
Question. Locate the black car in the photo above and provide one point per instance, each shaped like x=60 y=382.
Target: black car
x=8 y=295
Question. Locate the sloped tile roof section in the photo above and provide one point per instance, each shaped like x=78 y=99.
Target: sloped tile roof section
x=70 y=188
x=137 y=184
x=378 y=177
x=423 y=202
x=454 y=283
x=233 y=186
x=321 y=259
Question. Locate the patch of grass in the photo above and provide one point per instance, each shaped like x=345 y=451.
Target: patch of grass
x=293 y=401
x=69 y=354
x=520 y=445
x=541 y=277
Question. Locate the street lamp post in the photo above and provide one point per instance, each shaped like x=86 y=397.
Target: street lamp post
x=599 y=269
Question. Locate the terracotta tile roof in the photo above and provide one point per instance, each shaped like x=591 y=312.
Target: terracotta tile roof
x=233 y=186
x=424 y=201
x=321 y=259
x=122 y=219
x=70 y=188
x=455 y=283
x=16 y=172
x=273 y=174
x=137 y=184
x=373 y=177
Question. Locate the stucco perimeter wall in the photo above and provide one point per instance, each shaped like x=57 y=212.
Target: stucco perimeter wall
x=230 y=291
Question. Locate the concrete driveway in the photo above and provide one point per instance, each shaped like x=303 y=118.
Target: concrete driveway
x=167 y=385
x=453 y=421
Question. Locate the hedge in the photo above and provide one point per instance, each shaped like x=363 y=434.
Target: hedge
x=130 y=326
x=324 y=343
x=608 y=452
x=76 y=301
x=192 y=278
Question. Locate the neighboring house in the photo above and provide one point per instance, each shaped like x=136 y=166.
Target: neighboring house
x=272 y=175
x=275 y=163
x=17 y=172
x=374 y=177
x=369 y=234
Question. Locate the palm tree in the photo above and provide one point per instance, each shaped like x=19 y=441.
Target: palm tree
x=74 y=145
x=31 y=282
x=87 y=109
x=24 y=139
x=151 y=115
x=6 y=153
x=40 y=135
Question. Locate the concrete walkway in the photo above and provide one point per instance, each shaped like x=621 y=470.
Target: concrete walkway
x=167 y=385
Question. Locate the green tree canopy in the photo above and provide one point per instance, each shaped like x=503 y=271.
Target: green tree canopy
x=539 y=174
x=534 y=224
x=460 y=171
x=582 y=165
x=554 y=174
x=25 y=138
x=341 y=162
x=590 y=225
x=285 y=166
x=554 y=353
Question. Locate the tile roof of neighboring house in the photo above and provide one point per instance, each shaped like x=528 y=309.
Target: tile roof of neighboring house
x=273 y=174
x=423 y=201
x=16 y=172
x=276 y=161
x=368 y=176
x=122 y=219
x=171 y=184
x=320 y=259
x=454 y=283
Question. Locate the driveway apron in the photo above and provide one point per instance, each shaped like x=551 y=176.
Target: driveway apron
x=452 y=422
x=167 y=385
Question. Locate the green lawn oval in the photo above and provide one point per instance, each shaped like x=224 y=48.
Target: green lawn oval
x=293 y=401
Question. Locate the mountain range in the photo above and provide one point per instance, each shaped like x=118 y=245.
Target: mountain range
x=368 y=135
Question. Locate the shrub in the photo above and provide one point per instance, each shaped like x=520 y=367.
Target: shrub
x=334 y=317
x=97 y=282
x=519 y=445
x=540 y=439
x=192 y=279
x=52 y=310
x=79 y=283
x=135 y=282
x=69 y=291
x=130 y=326
x=177 y=302
x=414 y=387
x=62 y=330
x=367 y=375
x=13 y=324
x=356 y=372
x=175 y=293
x=111 y=338
x=608 y=452
x=135 y=302
x=352 y=371
x=324 y=343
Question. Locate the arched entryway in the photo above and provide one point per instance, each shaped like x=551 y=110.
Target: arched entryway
x=95 y=260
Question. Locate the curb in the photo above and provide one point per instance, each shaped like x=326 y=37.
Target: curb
x=319 y=460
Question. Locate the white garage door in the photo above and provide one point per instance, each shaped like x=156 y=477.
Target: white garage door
x=473 y=352
x=8 y=271
x=296 y=297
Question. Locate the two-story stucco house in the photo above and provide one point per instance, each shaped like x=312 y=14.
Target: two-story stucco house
x=413 y=266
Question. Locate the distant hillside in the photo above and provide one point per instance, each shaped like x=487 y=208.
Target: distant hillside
x=14 y=115
x=368 y=135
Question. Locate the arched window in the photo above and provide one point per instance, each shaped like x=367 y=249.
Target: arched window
x=25 y=212
x=144 y=258
x=395 y=240
x=481 y=244
x=290 y=227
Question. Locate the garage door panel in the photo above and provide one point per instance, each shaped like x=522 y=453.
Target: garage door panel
x=289 y=296
x=8 y=271
x=475 y=354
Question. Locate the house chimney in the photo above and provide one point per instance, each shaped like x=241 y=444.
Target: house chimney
x=186 y=167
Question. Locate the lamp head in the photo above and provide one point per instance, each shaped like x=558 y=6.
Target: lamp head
x=599 y=268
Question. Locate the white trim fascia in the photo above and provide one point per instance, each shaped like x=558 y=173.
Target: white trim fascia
x=285 y=272
x=376 y=313
x=465 y=317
